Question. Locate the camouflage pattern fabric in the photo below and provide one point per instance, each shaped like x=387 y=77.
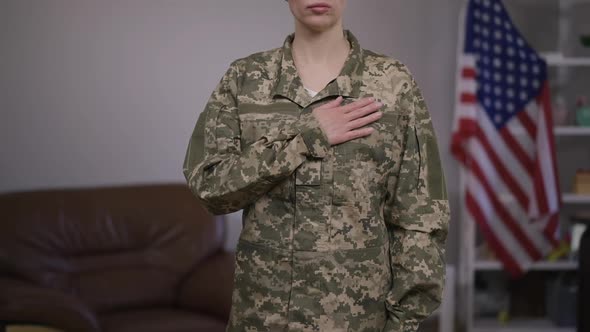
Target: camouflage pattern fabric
x=348 y=237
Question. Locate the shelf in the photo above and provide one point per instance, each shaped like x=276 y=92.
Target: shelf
x=483 y=265
x=566 y=198
x=519 y=325
x=572 y=131
x=576 y=199
x=570 y=2
x=573 y=2
x=557 y=59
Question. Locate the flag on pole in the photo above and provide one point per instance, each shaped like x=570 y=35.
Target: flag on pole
x=503 y=137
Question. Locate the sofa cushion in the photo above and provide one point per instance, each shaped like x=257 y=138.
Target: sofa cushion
x=112 y=247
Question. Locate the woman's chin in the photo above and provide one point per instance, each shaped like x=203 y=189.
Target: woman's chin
x=319 y=24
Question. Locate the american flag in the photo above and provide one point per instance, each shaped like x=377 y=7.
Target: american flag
x=503 y=137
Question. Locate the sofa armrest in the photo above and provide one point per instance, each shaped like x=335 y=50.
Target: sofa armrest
x=21 y=302
x=29 y=328
x=208 y=288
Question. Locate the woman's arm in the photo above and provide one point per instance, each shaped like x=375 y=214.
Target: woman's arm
x=226 y=176
x=417 y=213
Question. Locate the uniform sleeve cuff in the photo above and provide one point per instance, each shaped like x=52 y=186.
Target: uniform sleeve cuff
x=314 y=137
x=397 y=320
x=397 y=326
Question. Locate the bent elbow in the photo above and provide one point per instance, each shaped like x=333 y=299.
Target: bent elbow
x=215 y=203
x=217 y=207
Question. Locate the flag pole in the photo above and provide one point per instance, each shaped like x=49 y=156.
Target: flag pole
x=467 y=234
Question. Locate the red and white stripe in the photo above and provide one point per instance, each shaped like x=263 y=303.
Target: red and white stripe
x=511 y=180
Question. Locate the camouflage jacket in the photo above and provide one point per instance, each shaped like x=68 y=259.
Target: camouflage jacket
x=347 y=237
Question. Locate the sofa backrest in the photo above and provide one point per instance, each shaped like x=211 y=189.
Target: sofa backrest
x=112 y=247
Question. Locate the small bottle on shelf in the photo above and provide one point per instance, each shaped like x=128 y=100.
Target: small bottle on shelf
x=583 y=112
x=582 y=182
x=559 y=112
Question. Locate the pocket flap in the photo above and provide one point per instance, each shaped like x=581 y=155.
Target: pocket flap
x=309 y=173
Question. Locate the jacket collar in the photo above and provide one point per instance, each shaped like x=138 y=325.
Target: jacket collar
x=346 y=84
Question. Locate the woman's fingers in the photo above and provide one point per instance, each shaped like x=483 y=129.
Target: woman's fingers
x=365 y=120
x=342 y=123
x=358 y=133
x=331 y=104
x=357 y=104
x=364 y=111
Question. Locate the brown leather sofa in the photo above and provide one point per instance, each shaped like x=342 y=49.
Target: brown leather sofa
x=140 y=258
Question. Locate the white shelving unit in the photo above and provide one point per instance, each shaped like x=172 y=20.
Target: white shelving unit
x=576 y=199
x=558 y=59
x=469 y=264
x=572 y=131
x=539 y=266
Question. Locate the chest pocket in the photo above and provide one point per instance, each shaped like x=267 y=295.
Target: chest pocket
x=259 y=120
x=352 y=181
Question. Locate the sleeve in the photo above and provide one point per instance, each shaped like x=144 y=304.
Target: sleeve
x=226 y=176
x=417 y=215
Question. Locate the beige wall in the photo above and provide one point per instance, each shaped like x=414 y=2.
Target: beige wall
x=107 y=92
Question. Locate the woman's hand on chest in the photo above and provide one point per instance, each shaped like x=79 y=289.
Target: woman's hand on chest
x=342 y=123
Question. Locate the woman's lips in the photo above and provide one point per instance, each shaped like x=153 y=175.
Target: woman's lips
x=319 y=8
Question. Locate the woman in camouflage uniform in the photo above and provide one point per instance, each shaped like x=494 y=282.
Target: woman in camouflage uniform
x=345 y=206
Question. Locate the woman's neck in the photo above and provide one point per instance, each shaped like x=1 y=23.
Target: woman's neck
x=319 y=47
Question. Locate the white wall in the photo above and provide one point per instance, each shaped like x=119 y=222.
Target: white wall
x=107 y=92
